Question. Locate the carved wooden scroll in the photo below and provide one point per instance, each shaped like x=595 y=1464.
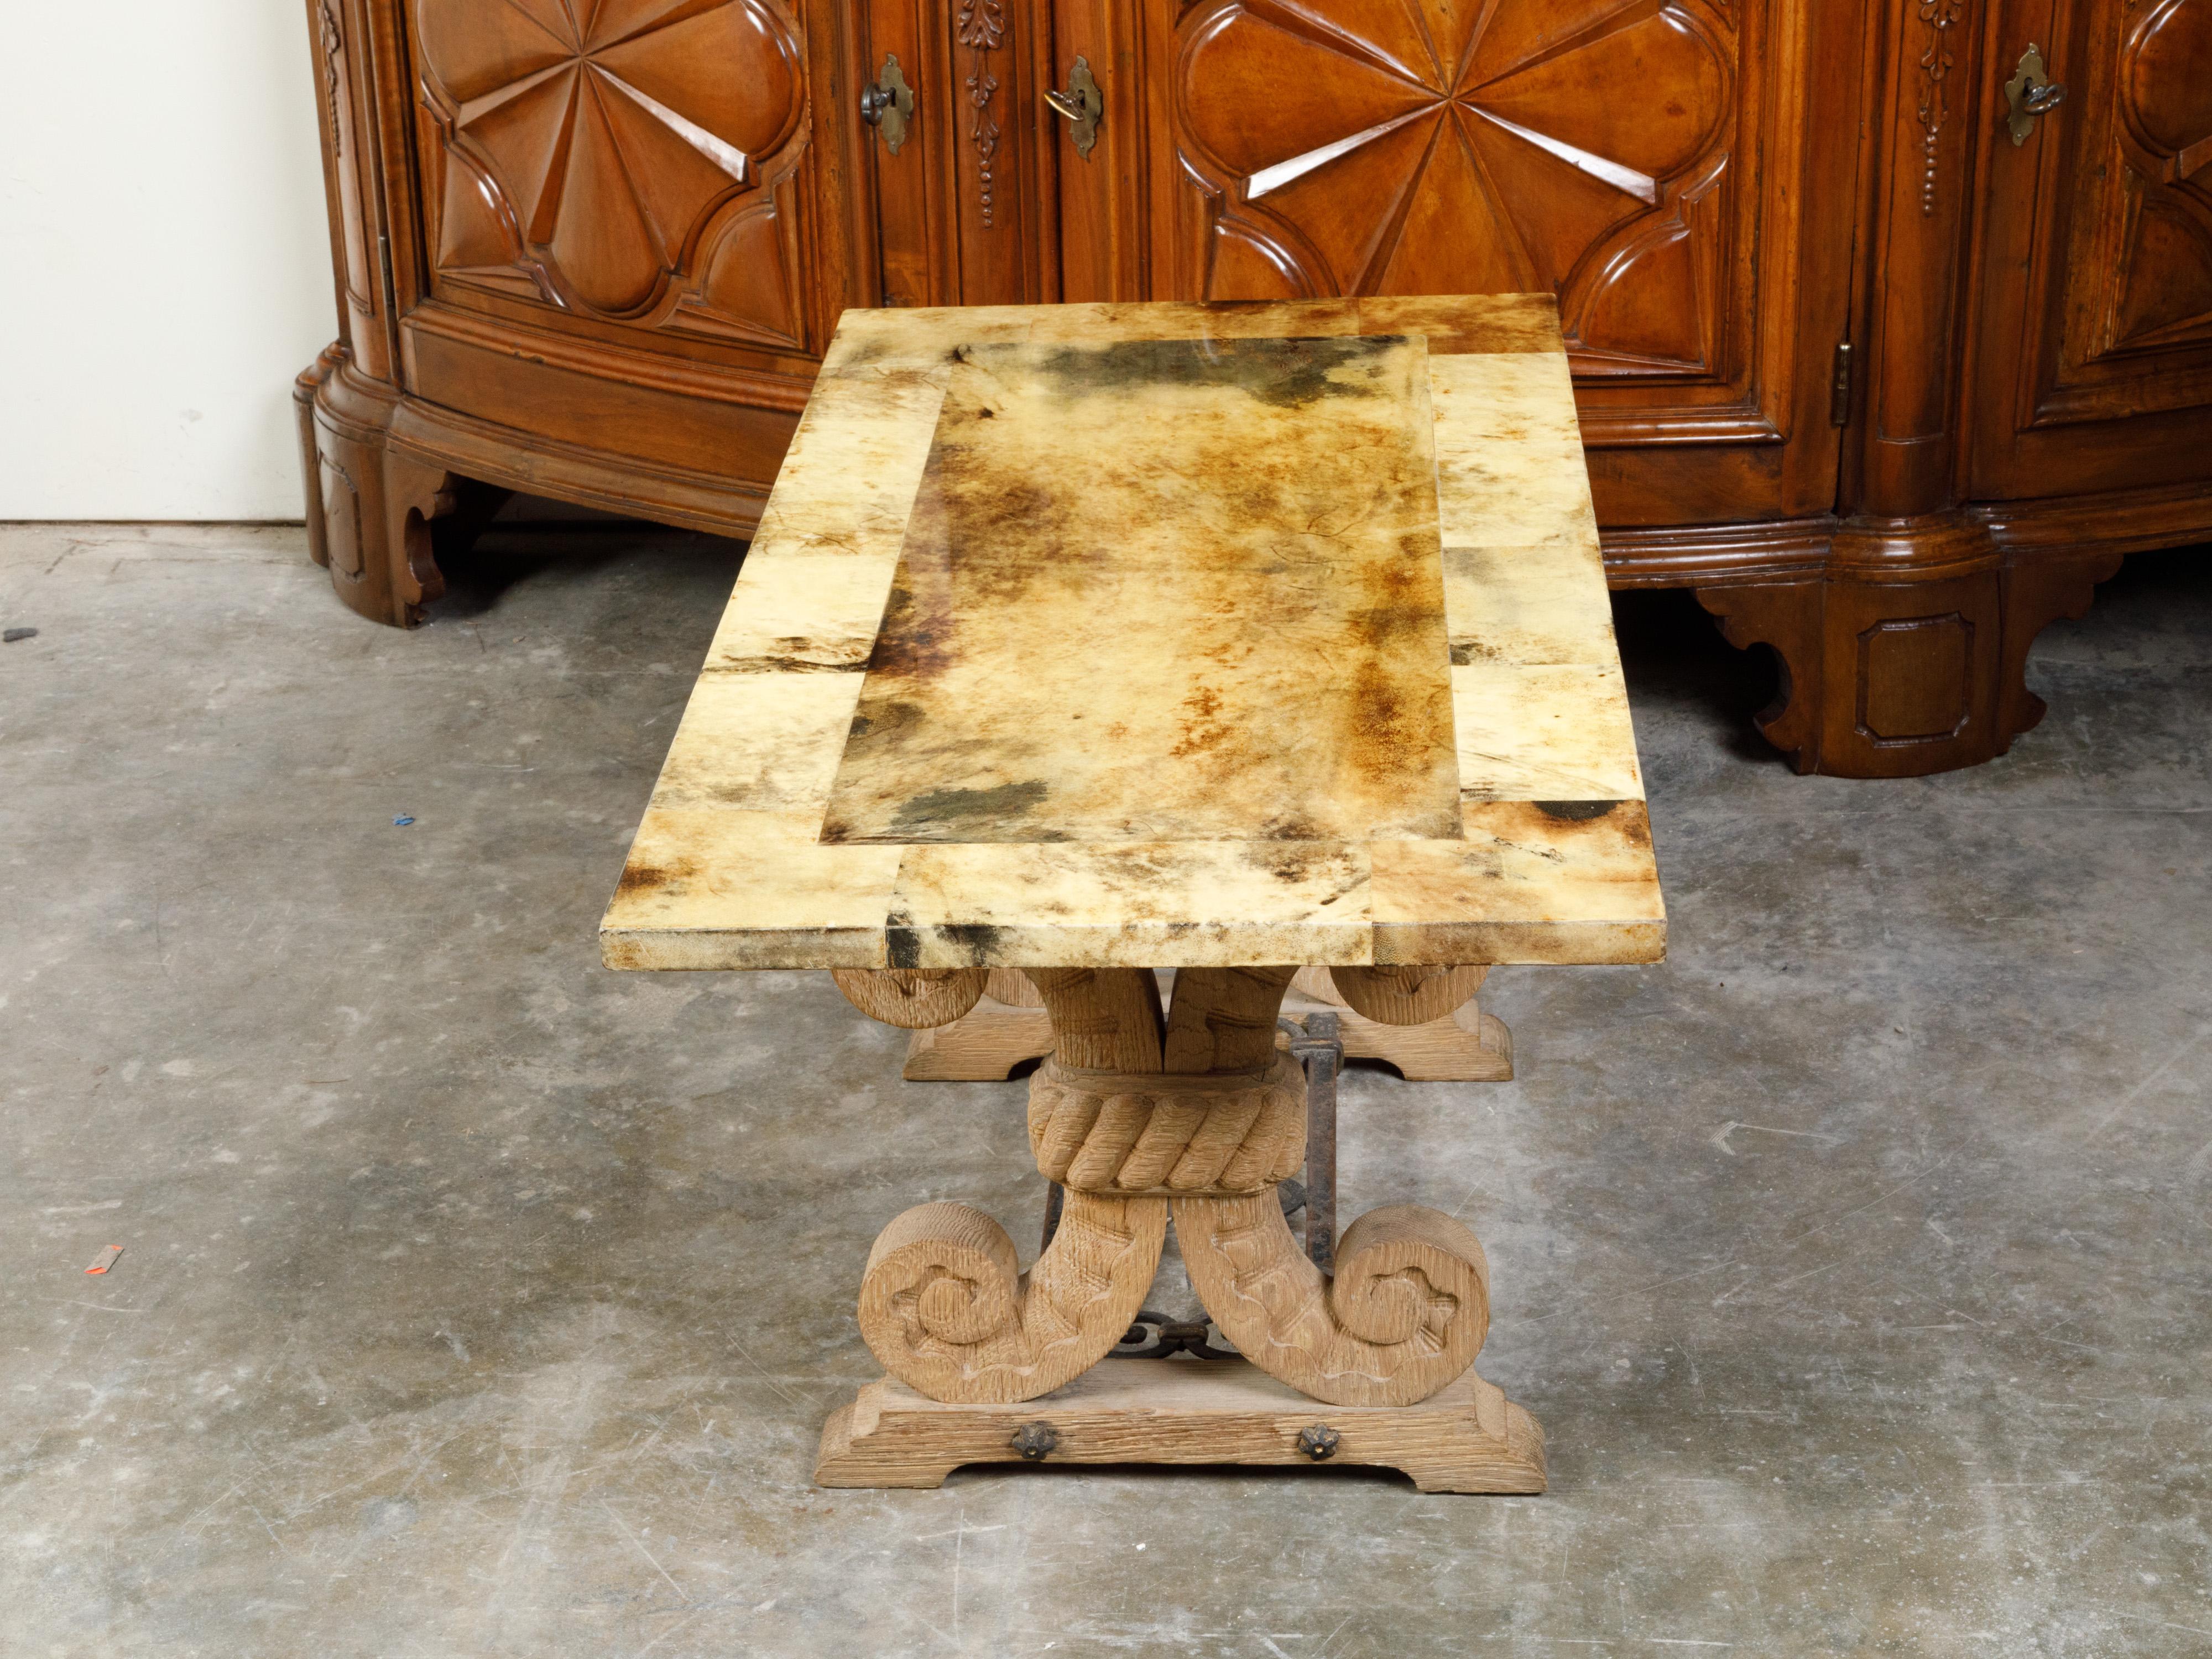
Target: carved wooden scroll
x=1407 y=996
x=946 y=1309
x=1405 y=1313
x=912 y=998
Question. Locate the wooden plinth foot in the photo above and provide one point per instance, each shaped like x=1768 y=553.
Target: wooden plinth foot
x=1006 y=1027
x=1468 y=1437
x=1465 y=1045
x=982 y=1046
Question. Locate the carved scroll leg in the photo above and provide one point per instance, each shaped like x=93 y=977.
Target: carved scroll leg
x=943 y=1309
x=1405 y=1314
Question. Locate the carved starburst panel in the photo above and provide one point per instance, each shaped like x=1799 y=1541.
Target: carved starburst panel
x=594 y=144
x=2161 y=291
x=1468 y=146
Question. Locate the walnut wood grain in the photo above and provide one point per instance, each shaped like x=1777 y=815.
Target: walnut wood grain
x=596 y=254
x=2093 y=316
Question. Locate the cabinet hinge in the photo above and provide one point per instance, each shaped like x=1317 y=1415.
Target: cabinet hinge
x=1839 y=386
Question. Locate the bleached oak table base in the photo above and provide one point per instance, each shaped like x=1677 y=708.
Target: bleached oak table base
x=1009 y=1026
x=1468 y=1437
x=1193 y=1115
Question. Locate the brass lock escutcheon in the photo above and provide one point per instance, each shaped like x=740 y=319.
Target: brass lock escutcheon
x=888 y=104
x=2029 y=93
x=1083 y=104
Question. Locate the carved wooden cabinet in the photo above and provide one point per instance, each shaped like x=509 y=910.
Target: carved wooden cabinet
x=1892 y=319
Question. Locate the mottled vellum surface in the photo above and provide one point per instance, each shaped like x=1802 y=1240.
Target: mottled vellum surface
x=1165 y=589
x=1163 y=635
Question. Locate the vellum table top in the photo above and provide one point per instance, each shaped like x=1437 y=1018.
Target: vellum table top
x=1163 y=635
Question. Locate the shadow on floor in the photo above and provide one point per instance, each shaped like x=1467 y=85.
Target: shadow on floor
x=2151 y=590
x=1673 y=651
x=529 y=537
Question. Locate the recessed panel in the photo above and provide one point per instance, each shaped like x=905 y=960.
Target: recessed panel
x=1165 y=589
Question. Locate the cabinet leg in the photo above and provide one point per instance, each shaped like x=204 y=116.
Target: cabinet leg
x=1907 y=652
x=373 y=529
x=370 y=505
x=305 y=390
x=1891 y=657
x=1785 y=618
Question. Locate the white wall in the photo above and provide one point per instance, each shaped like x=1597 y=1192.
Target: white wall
x=164 y=263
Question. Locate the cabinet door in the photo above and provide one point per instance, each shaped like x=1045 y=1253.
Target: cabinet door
x=2094 y=361
x=961 y=210
x=625 y=233
x=1656 y=164
x=634 y=171
x=1100 y=224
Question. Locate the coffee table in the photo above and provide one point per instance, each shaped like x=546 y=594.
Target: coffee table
x=1078 y=641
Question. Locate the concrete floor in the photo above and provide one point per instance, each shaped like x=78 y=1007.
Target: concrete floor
x=478 y=1301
